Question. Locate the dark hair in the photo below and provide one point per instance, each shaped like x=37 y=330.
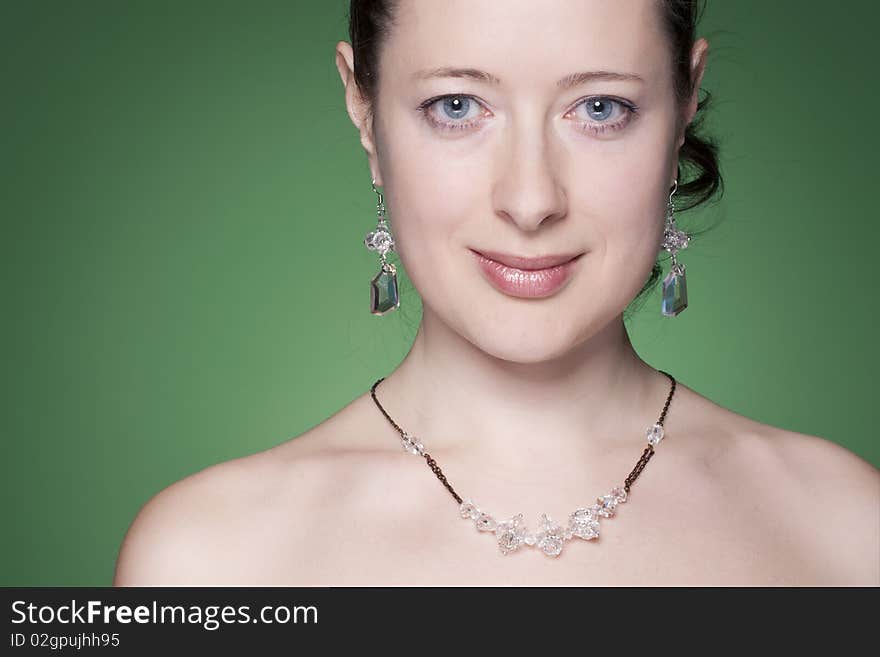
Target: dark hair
x=699 y=179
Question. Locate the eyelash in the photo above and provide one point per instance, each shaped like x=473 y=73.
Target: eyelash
x=629 y=108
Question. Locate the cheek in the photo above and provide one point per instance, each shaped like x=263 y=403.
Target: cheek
x=428 y=221
x=627 y=200
x=432 y=196
x=632 y=214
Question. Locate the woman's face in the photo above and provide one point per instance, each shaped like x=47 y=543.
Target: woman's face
x=523 y=164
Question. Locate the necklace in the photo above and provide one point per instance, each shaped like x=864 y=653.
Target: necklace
x=512 y=533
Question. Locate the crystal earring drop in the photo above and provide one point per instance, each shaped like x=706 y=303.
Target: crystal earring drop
x=675 y=284
x=383 y=287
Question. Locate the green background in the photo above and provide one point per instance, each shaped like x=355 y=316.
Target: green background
x=184 y=279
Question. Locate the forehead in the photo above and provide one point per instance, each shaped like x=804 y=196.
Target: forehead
x=524 y=41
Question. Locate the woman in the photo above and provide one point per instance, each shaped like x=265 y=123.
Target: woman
x=549 y=129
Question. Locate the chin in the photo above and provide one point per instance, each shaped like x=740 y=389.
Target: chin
x=522 y=343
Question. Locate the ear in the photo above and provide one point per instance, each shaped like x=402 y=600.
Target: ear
x=698 y=67
x=356 y=106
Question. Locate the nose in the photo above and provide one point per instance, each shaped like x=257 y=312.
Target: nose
x=528 y=190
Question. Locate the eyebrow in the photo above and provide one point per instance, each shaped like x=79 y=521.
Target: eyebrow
x=571 y=80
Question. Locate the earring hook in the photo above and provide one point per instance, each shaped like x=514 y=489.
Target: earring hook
x=674 y=188
x=381 y=198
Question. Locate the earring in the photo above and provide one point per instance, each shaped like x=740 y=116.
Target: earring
x=675 y=284
x=383 y=287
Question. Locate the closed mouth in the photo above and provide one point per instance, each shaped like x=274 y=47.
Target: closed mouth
x=526 y=263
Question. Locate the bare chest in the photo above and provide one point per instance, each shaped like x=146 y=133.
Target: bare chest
x=653 y=543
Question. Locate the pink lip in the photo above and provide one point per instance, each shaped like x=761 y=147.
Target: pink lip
x=519 y=262
x=543 y=277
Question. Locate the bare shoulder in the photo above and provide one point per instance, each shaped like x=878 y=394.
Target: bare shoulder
x=181 y=533
x=812 y=494
x=836 y=498
x=233 y=522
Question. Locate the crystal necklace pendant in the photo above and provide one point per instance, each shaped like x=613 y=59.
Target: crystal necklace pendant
x=549 y=537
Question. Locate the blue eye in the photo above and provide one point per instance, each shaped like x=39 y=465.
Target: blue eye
x=455 y=107
x=601 y=107
x=598 y=111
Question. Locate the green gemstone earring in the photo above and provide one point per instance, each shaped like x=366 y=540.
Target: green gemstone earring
x=383 y=287
x=674 y=285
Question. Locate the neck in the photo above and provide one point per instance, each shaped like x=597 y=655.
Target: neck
x=515 y=417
